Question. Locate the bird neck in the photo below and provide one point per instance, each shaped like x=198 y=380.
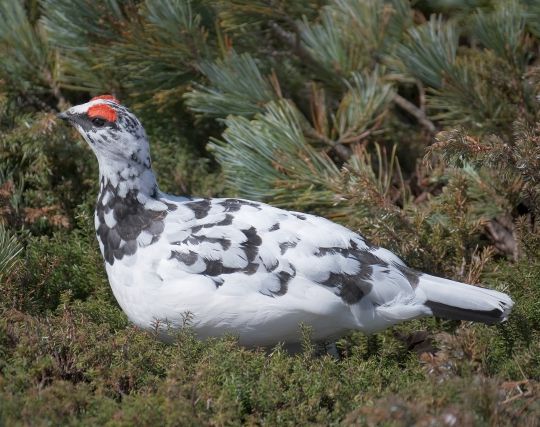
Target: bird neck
x=128 y=176
x=129 y=213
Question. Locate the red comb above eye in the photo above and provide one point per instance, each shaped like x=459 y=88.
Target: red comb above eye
x=103 y=111
x=106 y=97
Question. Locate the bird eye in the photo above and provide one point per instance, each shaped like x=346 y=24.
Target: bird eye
x=98 y=122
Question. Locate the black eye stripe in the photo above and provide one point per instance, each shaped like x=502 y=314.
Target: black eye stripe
x=98 y=121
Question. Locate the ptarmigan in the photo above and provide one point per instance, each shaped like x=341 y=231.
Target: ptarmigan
x=243 y=267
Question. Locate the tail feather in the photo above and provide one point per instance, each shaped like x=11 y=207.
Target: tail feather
x=459 y=301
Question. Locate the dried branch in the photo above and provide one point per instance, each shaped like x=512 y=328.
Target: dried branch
x=342 y=151
x=416 y=112
x=294 y=41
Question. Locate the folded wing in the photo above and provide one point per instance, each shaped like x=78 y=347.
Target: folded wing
x=253 y=247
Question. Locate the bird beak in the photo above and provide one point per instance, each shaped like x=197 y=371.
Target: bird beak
x=63 y=116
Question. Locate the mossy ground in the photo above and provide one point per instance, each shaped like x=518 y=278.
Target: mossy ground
x=81 y=363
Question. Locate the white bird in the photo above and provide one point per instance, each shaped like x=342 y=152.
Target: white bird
x=243 y=267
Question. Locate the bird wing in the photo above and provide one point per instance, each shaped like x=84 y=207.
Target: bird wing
x=250 y=246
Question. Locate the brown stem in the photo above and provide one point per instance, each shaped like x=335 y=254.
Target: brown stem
x=342 y=151
x=414 y=111
x=356 y=138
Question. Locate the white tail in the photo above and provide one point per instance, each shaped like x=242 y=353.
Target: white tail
x=459 y=301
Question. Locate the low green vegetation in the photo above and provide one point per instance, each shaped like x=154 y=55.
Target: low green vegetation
x=416 y=125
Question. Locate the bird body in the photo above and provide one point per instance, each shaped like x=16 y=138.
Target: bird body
x=236 y=266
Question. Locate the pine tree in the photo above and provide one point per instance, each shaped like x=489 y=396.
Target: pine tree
x=416 y=123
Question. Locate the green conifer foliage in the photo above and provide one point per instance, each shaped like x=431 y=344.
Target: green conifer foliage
x=238 y=88
x=415 y=123
x=9 y=250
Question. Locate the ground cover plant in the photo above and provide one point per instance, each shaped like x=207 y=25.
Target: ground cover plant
x=415 y=123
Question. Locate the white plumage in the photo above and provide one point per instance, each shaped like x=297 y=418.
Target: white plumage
x=243 y=267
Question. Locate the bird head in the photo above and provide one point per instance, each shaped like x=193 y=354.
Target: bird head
x=114 y=134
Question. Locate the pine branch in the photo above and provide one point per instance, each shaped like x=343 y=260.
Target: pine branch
x=301 y=52
x=293 y=41
x=28 y=63
x=9 y=251
x=532 y=15
x=362 y=106
x=429 y=51
x=502 y=30
x=269 y=158
x=236 y=86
